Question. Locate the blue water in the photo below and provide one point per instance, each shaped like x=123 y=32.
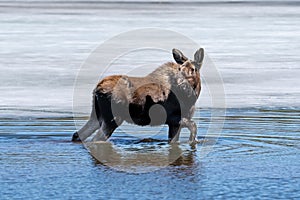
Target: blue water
x=255 y=47
x=256 y=155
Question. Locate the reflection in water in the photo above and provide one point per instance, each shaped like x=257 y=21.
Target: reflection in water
x=186 y=159
x=142 y=158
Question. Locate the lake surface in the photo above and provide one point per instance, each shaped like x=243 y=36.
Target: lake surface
x=256 y=155
x=255 y=47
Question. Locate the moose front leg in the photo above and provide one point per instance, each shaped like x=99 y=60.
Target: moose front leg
x=191 y=125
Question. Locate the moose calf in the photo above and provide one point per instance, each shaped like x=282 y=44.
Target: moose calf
x=165 y=96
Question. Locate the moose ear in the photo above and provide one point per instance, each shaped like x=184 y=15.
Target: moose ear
x=178 y=56
x=198 y=57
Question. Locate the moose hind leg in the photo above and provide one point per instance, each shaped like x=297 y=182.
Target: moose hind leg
x=88 y=129
x=105 y=131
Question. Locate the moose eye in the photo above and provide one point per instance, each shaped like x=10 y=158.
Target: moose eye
x=193 y=69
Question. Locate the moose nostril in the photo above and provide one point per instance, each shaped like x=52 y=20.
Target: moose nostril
x=179 y=68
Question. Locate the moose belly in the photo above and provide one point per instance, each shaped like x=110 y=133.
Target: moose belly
x=152 y=115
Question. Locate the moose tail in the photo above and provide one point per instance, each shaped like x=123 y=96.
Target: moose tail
x=97 y=108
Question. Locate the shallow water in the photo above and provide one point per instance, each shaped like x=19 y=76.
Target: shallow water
x=256 y=155
x=255 y=47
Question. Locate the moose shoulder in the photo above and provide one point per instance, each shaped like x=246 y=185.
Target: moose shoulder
x=165 y=96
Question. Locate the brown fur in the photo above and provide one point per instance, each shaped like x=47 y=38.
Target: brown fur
x=156 y=85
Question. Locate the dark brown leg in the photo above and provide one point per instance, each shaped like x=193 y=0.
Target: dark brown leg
x=105 y=131
x=89 y=128
x=174 y=132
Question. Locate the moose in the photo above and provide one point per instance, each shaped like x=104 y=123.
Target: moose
x=165 y=96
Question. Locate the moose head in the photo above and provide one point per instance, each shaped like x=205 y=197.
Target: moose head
x=189 y=68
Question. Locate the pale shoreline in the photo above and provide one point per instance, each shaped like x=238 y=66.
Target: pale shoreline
x=255 y=49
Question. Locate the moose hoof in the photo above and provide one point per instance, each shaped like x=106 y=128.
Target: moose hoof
x=75 y=137
x=193 y=142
